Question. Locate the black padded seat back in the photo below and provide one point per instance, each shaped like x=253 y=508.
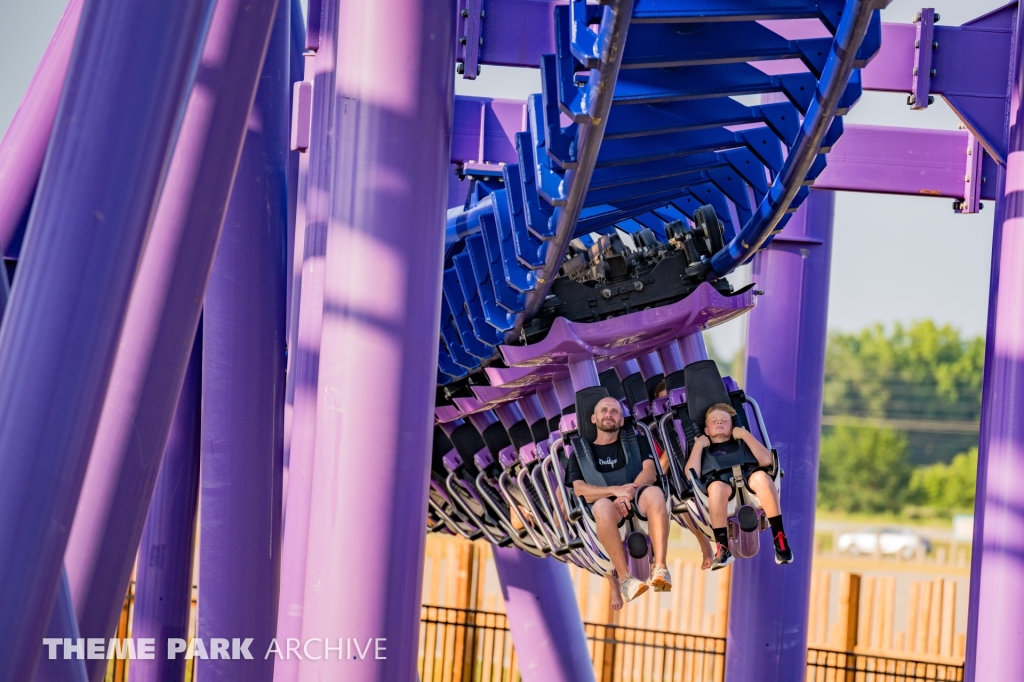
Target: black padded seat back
x=675 y=380
x=610 y=380
x=553 y=423
x=704 y=388
x=496 y=438
x=539 y=430
x=520 y=434
x=652 y=384
x=586 y=401
x=442 y=445
x=468 y=442
x=635 y=389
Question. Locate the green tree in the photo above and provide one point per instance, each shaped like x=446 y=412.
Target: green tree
x=947 y=487
x=922 y=372
x=863 y=469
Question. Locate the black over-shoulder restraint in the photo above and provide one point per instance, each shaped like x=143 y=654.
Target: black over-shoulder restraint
x=586 y=401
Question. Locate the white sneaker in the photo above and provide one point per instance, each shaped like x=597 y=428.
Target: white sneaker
x=661 y=581
x=632 y=588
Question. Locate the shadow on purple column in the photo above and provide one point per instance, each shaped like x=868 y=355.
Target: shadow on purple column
x=390 y=139
x=785 y=374
x=163 y=582
x=94 y=205
x=243 y=389
x=547 y=629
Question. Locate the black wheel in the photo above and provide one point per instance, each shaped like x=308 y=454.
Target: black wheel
x=710 y=227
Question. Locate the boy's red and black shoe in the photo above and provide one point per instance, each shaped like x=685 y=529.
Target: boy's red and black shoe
x=723 y=557
x=783 y=552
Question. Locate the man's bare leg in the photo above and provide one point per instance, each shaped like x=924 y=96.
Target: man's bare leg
x=652 y=505
x=613 y=581
x=607 y=521
x=706 y=553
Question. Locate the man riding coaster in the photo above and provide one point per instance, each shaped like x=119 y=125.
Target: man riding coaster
x=612 y=504
x=723 y=439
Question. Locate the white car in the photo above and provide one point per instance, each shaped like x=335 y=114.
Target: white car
x=892 y=541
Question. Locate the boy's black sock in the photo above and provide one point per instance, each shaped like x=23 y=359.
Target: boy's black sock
x=721 y=537
x=776 y=524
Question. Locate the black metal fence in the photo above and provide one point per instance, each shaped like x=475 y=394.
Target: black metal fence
x=459 y=645
x=834 y=666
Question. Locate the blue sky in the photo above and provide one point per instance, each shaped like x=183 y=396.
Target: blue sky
x=895 y=259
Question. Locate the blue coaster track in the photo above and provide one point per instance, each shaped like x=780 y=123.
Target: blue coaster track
x=639 y=124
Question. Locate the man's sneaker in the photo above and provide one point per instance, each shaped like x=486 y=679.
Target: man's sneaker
x=632 y=588
x=661 y=581
x=722 y=558
x=783 y=552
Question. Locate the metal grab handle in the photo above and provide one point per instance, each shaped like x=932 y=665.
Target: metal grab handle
x=457 y=499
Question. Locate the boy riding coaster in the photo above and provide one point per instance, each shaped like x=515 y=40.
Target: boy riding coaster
x=609 y=505
x=720 y=440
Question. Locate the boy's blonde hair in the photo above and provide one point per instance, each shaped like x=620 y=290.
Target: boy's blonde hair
x=720 y=407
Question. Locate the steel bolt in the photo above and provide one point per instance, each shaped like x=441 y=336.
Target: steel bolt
x=462 y=40
x=933 y=72
x=606 y=293
x=931 y=99
x=460 y=68
x=465 y=13
x=638 y=285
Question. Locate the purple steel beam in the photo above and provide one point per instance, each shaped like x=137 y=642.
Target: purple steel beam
x=544 y=618
x=162 y=317
x=319 y=179
x=970 y=70
x=887 y=160
x=672 y=356
x=93 y=208
x=484 y=130
x=163 y=583
x=390 y=141
x=244 y=333
x=24 y=143
x=785 y=373
x=882 y=160
x=994 y=625
x=63 y=625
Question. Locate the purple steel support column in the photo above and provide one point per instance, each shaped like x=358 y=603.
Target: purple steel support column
x=650 y=365
x=544 y=618
x=160 y=324
x=379 y=340
x=540 y=601
x=785 y=373
x=671 y=358
x=304 y=356
x=626 y=369
x=163 y=584
x=565 y=392
x=995 y=626
x=24 y=143
x=531 y=408
x=508 y=414
x=692 y=348
x=549 y=402
x=244 y=332
x=92 y=211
